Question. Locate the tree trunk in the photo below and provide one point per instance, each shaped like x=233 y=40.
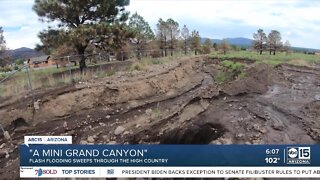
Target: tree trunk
x=195 y=52
x=139 y=55
x=224 y=52
x=138 y=52
x=171 y=43
x=82 y=62
x=161 y=45
x=185 y=47
x=274 y=52
x=260 y=51
x=165 y=46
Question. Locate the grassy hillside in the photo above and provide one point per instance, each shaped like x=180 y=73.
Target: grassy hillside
x=291 y=58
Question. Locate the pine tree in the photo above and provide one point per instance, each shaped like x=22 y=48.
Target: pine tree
x=81 y=22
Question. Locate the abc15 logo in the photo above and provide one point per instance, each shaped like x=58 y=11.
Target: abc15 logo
x=298 y=152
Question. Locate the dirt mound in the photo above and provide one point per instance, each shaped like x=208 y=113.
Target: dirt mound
x=257 y=79
x=88 y=95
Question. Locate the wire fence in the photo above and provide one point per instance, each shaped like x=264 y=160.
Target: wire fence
x=38 y=74
x=57 y=71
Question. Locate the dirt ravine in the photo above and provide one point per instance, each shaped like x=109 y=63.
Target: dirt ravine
x=175 y=103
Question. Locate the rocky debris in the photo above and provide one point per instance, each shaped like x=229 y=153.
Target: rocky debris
x=263 y=130
x=277 y=126
x=119 y=130
x=7 y=155
x=256 y=127
x=112 y=142
x=3 y=153
x=222 y=141
x=71 y=133
x=7 y=135
x=138 y=125
x=317 y=97
x=108 y=116
x=240 y=136
x=149 y=112
x=256 y=141
x=83 y=142
x=2 y=145
x=225 y=140
x=65 y=125
x=36 y=104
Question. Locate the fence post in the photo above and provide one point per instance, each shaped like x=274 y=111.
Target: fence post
x=5 y=133
x=30 y=84
x=69 y=68
x=100 y=62
x=121 y=55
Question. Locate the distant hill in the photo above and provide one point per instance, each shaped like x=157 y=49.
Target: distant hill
x=239 y=41
x=24 y=53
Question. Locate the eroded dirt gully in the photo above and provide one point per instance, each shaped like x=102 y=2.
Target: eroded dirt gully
x=174 y=103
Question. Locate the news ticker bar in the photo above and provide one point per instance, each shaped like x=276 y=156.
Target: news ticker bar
x=169 y=172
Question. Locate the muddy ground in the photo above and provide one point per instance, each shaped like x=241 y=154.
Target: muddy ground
x=174 y=103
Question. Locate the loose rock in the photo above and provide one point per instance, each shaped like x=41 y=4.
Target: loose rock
x=2 y=145
x=112 y=142
x=119 y=130
x=149 y=112
x=90 y=139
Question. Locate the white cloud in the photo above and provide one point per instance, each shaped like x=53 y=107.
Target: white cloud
x=296 y=16
x=298 y=20
x=20 y=23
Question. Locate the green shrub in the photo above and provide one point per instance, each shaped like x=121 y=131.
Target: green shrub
x=19 y=61
x=242 y=75
x=156 y=113
x=232 y=65
x=5 y=69
x=222 y=77
x=138 y=66
x=156 y=61
x=111 y=72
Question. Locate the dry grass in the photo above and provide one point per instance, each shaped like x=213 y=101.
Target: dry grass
x=44 y=79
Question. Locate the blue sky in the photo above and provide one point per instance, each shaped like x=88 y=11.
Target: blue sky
x=297 y=20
